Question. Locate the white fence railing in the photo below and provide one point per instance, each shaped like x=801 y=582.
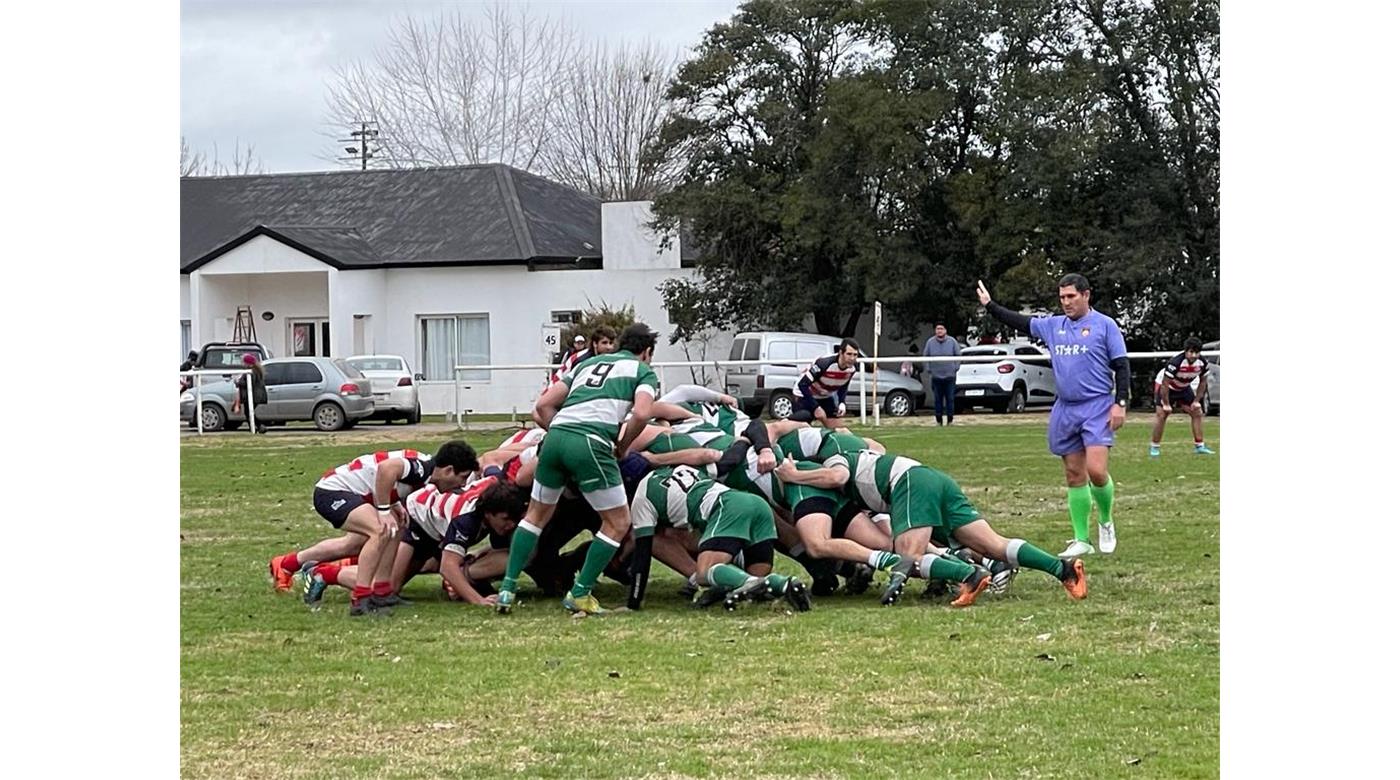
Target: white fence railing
x=800 y=364
x=198 y=389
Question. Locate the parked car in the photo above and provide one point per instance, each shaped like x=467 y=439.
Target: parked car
x=1008 y=385
x=327 y=391
x=771 y=385
x=1211 y=403
x=223 y=354
x=395 y=394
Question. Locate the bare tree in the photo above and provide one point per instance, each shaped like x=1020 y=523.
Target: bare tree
x=608 y=118
x=199 y=163
x=452 y=91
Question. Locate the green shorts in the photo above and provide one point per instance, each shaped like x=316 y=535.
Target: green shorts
x=742 y=516
x=923 y=498
x=584 y=457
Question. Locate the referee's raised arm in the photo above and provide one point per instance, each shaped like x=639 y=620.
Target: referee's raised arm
x=1004 y=315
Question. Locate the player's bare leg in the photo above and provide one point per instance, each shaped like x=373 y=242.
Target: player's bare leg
x=980 y=537
x=815 y=530
x=523 y=541
x=615 y=527
x=364 y=519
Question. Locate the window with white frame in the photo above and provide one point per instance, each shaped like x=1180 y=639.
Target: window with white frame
x=447 y=340
x=572 y=317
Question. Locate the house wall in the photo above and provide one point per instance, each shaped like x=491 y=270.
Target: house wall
x=518 y=303
x=357 y=293
x=286 y=295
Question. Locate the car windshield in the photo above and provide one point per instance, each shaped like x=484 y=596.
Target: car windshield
x=377 y=363
x=984 y=351
x=348 y=369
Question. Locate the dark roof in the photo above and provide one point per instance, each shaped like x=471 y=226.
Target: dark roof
x=467 y=215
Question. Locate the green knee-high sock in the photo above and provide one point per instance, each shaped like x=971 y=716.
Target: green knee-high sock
x=522 y=546
x=777 y=583
x=726 y=575
x=600 y=552
x=1103 y=498
x=1080 y=504
x=938 y=567
x=1020 y=552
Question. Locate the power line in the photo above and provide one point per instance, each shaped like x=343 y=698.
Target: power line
x=363 y=136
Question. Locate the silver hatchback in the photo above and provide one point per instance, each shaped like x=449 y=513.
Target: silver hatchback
x=326 y=391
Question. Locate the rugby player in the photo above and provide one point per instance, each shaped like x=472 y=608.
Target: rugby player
x=1174 y=391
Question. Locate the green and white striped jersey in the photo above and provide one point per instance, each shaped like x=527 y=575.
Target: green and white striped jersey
x=873 y=476
x=725 y=418
x=704 y=433
x=818 y=444
x=601 y=390
x=678 y=496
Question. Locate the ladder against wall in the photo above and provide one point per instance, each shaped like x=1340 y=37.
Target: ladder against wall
x=244 y=331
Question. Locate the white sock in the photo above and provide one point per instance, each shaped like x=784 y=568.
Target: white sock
x=874 y=559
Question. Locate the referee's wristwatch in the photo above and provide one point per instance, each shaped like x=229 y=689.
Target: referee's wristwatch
x=1123 y=404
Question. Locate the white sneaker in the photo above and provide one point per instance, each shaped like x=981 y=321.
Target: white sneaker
x=1108 y=538
x=1077 y=549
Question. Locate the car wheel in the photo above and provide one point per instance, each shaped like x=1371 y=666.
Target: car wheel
x=417 y=415
x=1016 y=403
x=780 y=406
x=899 y=404
x=214 y=417
x=328 y=417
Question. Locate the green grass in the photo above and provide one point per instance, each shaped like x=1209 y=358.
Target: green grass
x=1124 y=684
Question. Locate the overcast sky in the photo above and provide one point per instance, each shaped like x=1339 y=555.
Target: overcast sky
x=255 y=71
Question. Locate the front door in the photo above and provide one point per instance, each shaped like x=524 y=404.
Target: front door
x=309 y=338
x=304 y=384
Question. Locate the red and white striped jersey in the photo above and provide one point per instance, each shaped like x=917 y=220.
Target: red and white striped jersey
x=525 y=436
x=826 y=378
x=358 y=475
x=570 y=360
x=434 y=510
x=1182 y=373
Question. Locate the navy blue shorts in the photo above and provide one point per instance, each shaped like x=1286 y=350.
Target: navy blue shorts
x=335 y=505
x=425 y=547
x=1177 y=398
x=828 y=404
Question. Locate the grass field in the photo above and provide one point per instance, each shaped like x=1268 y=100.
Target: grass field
x=1030 y=684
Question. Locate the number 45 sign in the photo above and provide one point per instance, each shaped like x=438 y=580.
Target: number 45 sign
x=549 y=338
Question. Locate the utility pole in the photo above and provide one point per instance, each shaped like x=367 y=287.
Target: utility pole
x=361 y=136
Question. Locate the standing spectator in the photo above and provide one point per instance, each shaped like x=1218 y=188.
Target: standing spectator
x=259 y=390
x=1090 y=361
x=604 y=342
x=942 y=376
x=186 y=382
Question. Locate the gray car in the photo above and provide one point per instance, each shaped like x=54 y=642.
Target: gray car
x=771 y=385
x=327 y=391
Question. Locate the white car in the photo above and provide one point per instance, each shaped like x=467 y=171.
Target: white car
x=391 y=381
x=1009 y=385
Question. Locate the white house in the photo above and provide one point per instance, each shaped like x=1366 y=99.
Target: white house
x=444 y=266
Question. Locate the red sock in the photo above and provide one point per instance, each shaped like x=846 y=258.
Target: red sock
x=357 y=593
x=289 y=562
x=330 y=572
x=1199 y=442
x=381 y=589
